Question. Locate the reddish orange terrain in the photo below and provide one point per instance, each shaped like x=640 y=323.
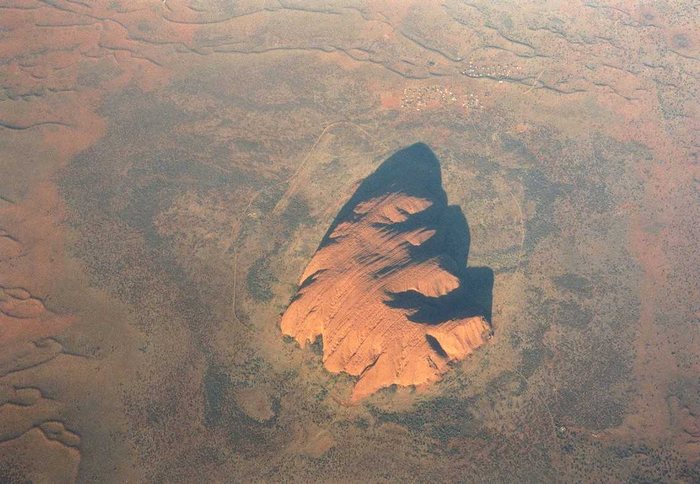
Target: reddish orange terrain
x=382 y=291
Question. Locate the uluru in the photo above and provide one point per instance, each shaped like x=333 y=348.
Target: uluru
x=386 y=289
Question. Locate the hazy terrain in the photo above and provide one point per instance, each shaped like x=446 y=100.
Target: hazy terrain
x=168 y=169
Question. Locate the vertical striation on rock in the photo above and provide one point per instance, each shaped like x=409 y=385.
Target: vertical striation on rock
x=384 y=291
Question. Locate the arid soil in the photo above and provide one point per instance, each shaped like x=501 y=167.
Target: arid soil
x=169 y=168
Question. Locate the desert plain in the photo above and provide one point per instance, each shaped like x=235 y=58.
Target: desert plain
x=169 y=169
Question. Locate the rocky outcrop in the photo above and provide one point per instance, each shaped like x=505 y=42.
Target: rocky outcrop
x=384 y=291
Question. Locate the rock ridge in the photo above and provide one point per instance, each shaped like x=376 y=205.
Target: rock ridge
x=383 y=290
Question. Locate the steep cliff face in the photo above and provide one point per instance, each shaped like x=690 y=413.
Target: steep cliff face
x=383 y=290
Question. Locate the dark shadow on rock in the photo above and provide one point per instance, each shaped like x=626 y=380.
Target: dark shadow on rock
x=415 y=171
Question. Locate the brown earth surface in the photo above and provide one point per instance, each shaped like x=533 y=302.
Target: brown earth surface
x=169 y=168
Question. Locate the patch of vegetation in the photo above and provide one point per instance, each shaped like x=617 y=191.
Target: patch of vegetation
x=442 y=418
x=296 y=214
x=114 y=5
x=11 y=473
x=532 y=358
x=216 y=383
x=317 y=346
x=362 y=423
x=260 y=279
x=575 y=283
x=517 y=147
x=587 y=399
x=544 y=193
x=245 y=434
x=246 y=144
x=269 y=196
x=144 y=26
x=572 y=314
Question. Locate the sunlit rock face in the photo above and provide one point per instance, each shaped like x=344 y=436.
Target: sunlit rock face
x=384 y=291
